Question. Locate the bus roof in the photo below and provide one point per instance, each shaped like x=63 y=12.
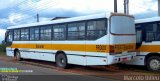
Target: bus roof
x=80 y=18
x=152 y=19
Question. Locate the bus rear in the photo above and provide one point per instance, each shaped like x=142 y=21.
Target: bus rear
x=122 y=38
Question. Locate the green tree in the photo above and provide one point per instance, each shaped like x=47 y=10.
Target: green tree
x=2 y=47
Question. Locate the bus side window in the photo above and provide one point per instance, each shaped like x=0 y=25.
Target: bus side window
x=59 y=32
x=150 y=36
x=16 y=35
x=158 y=32
x=76 y=31
x=139 y=36
x=34 y=34
x=151 y=32
x=24 y=34
x=96 y=29
x=45 y=33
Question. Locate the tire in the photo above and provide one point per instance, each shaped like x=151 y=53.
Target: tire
x=61 y=60
x=153 y=63
x=18 y=56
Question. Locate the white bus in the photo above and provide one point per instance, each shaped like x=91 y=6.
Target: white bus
x=148 y=43
x=100 y=39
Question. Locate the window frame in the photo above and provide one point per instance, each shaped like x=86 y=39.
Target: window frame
x=47 y=27
x=106 y=26
x=24 y=34
x=12 y=34
x=145 y=31
x=77 y=22
x=34 y=27
x=65 y=31
x=19 y=34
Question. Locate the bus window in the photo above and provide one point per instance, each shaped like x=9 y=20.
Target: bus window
x=158 y=32
x=17 y=35
x=9 y=38
x=25 y=34
x=59 y=32
x=96 y=29
x=81 y=28
x=150 y=36
x=151 y=32
x=121 y=24
x=34 y=34
x=72 y=31
x=45 y=33
x=138 y=38
x=76 y=31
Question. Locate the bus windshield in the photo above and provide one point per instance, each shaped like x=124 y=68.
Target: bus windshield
x=122 y=25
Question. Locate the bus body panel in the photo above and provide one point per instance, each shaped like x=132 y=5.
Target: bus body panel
x=143 y=51
x=123 y=42
x=101 y=51
x=9 y=51
x=138 y=60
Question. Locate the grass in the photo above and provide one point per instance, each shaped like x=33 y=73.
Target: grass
x=2 y=53
x=2 y=49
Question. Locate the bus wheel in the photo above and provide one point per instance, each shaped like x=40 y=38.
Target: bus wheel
x=61 y=60
x=18 y=56
x=153 y=63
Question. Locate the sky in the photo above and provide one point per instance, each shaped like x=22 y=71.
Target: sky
x=16 y=12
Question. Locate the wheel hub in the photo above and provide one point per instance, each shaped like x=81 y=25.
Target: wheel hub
x=155 y=64
x=62 y=61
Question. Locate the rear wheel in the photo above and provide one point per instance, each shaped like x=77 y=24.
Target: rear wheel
x=18 y=56
x=153 y=63
x=61 y=60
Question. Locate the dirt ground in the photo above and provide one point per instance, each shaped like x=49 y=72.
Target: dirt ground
x=118 y=71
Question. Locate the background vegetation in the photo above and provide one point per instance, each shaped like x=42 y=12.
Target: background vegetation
x=2 y=49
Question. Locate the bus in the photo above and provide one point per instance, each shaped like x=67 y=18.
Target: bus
x=148 y=43
x=100 y=39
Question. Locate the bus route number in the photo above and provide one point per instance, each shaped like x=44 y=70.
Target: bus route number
x=101 y=48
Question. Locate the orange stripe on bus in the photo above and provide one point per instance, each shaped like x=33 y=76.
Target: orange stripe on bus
x=77 y=47
x=149 y=48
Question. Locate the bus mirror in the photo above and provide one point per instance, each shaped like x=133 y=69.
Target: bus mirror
x=3 y=42
x=5 y=38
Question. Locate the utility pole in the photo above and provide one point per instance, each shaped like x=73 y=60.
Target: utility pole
x=115 y=6
x=126 y=6
x=158 y=7
x=37 y=17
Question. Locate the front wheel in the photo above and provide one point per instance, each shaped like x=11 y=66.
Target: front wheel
x=61 y=61
x=18 y=56
x=153 y=63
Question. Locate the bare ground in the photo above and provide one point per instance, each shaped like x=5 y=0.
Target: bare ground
x=115 y=71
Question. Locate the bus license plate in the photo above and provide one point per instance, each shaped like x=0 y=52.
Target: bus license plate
x=124 y=59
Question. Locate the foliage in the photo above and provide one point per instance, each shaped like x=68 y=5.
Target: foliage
x=2 y=48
